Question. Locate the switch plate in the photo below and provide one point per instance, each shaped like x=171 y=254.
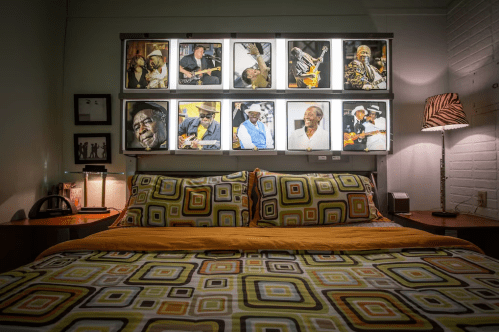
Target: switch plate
x=482 y=199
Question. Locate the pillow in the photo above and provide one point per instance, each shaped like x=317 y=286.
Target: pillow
x=286 y=200
x=161 y=201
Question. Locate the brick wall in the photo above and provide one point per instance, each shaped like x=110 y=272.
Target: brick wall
x=473 y=153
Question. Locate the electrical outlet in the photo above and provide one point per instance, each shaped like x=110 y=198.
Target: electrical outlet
x=482 y=199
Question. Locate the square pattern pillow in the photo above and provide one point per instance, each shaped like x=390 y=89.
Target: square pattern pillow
x=312 y=199
x=161 y=201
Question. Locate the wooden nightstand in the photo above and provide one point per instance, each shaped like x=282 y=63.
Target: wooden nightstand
x=481 y=231
x=21 y=241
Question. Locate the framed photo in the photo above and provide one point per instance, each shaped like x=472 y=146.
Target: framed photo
x=364 y=126
x=308 y=125
x=146 y=65
x=200 y=64
x=253 y=125
x=199 y=125
x=93 y=109
x=365 y=64
x=146 y=123
x=92 y=148
x=309 y=64
x=252 y=64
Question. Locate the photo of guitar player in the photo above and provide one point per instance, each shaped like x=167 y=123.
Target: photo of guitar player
x=309 y=64
x=364 y=126
x=365 y=64
x=200 y=128
x=200 y=64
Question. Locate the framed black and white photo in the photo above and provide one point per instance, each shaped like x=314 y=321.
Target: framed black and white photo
x=92 y=109
x=308 y=125
x=92 y=148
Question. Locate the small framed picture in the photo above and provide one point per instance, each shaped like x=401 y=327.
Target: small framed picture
x=146 y=123
x=92 y=109
x=146 y=64
x=253 y=125
x=366 y=64
x=309 y=64
x=252 y=64
x=308 y=125
x=199 y=125
x=364 y=126
x=200 y=64
x=92 y=148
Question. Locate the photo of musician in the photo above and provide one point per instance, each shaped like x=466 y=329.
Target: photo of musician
x=308 y=126
x=365 y=64
x=200 y=128
x=257 y=132
x=146 y=64
x=252 y=63
x=309 y=64
x=200 y=64
x=364 y=126
x=147 y=125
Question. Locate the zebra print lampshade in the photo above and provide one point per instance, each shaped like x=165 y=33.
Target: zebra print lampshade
x=444 y=112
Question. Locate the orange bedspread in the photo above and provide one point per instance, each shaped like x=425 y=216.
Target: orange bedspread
x=229 y=238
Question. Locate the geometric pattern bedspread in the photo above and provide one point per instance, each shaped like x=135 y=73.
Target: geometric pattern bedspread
x=257 y=290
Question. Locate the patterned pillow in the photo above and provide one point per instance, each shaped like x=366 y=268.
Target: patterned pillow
x=161 y=201
x=312 y=199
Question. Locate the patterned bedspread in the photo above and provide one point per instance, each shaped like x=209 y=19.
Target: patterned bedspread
x=254 y=290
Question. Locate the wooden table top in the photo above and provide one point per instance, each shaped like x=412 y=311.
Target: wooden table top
x=461 y=221
x=73 y=220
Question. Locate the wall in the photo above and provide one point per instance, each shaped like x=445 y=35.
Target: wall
x=473 y=53
x=93 y=66
x=32 y=61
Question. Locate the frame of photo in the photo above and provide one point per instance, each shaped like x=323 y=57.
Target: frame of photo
x=181 y=52
x=327 y=72
x=289 y=132
x=272 y=58
x=93 y=138
x=129 y=142
x=144 y=48
x=92 y=109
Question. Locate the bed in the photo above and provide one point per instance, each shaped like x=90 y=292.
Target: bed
x=263 y=251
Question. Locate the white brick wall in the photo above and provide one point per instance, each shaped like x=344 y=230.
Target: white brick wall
x=473 y=59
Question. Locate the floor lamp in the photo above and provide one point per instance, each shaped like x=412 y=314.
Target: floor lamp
x=443 y=112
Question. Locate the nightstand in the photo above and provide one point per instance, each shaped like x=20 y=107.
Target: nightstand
x=23 y=240
x=481 y=231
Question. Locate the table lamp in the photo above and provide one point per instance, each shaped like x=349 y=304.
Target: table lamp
x=443 y=112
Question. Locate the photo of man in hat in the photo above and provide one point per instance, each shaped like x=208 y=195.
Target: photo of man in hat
x=253 y=133
x=202 y=131
x=197 y=61
x=353 y=128
x=158 y=75
x=147 y=125
x=314 y=134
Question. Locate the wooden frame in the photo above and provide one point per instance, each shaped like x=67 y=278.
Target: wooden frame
x=84 y=155
x=92 y=109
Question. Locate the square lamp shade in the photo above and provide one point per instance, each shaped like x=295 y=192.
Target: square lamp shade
x=443 y=112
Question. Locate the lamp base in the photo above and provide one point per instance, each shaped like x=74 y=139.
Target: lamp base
x=444 y=214
x=96 y=210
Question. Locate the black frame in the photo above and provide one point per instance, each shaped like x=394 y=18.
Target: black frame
x=77 y=97
x=107 y=137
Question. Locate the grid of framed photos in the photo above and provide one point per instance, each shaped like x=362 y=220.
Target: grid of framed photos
x=262 y=95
